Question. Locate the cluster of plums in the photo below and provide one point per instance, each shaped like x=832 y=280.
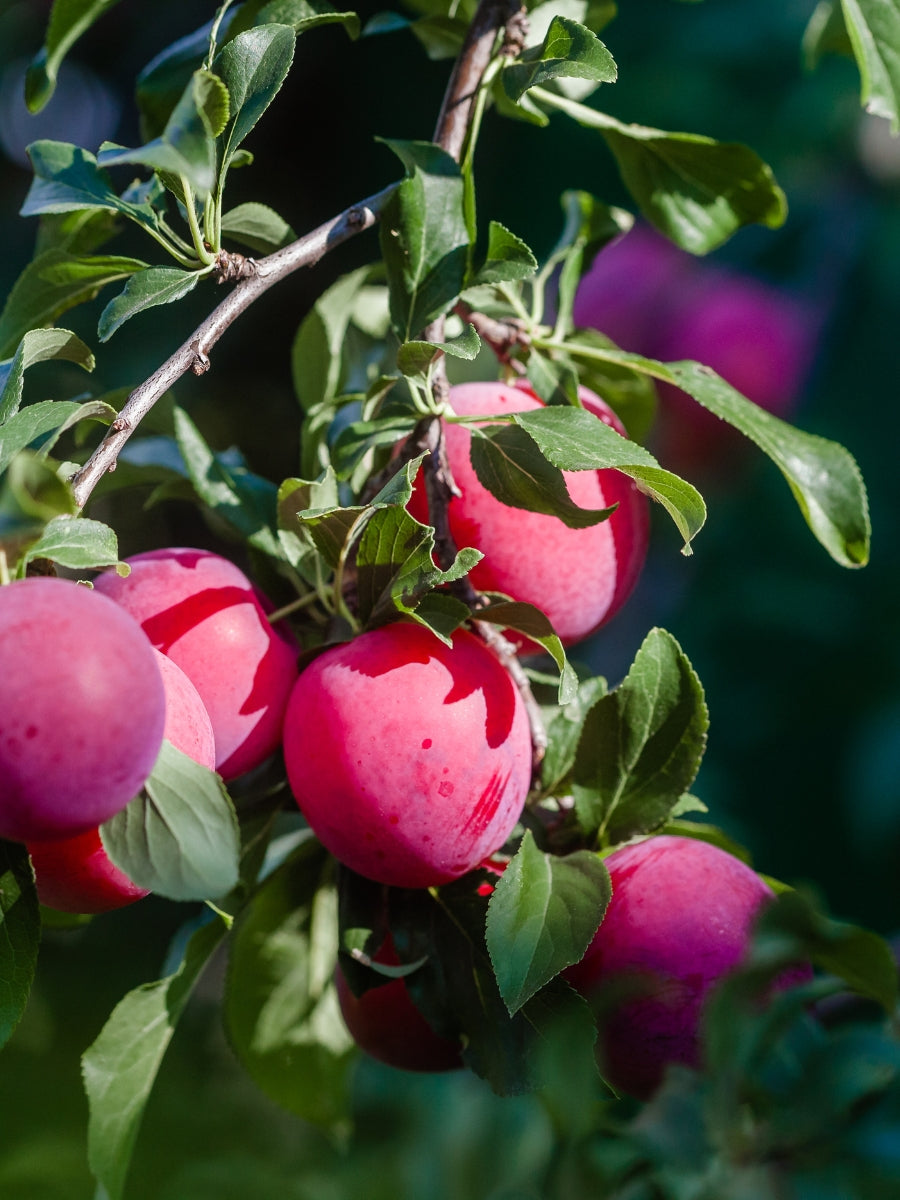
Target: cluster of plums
x=410 y=758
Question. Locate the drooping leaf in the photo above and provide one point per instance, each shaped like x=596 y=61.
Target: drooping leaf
x=576 y=440
x=252 y=66
x=424 y=238
x=525 y=618
x=569 y=51
x=75 y=542
x=874 y=30
x=511 y=466
x=257 y=226
x=120 y=1068
x=67 y=179
x=32 y=422
x=826 y=33
x=51 y=284
x=161 y=83
x=247 y=502
x=316 y=352
x=542 y=916
x=20 y=935
x=641 y=745
x=822 y=475
x=179 y=837
x=38 y=345
x=69 y=19
x=359 y=436
x=145 y=289
x=695 y=190
x=31 y=494
x=281 y=1011
x=630 y=394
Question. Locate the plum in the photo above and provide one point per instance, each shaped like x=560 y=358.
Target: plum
x=410 y=759
x=578 y=577
x=82 y=709
x=204 y=614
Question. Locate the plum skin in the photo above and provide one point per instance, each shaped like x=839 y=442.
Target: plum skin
x=387 y=1025
x=410 y=759
x=579 y=578
x=76 y=874
x=203 y=612
x=82 y=709
x=680 y=918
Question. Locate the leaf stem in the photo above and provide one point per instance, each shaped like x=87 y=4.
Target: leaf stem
x=196 y=234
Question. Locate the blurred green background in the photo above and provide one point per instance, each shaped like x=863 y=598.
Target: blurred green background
x=800 y=659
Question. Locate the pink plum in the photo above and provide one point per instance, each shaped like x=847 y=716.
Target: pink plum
x=410 y=759
x=204 y=614
x=82 y=709
x=680 y=918
x=578 y=577
x=385 y=1023
x=76 y=874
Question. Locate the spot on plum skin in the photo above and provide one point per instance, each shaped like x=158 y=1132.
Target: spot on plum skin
x=31 y=732
x=446 y=789
x=426 y=745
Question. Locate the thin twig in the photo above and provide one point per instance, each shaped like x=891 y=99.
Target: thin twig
x=193 y=354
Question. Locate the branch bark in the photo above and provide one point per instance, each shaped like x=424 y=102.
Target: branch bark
x=193 y=354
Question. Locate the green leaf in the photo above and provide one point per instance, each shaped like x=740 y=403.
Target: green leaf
x=161 y=84
x=179 y=837
x=67 y=178
x=509 y=463
x=569 y=50
x=51 y=284
x=34 y=421
x=525 y=618
x=874 y=30
x=69 y=19
x=20 y=935
x=301 y=15
x=31 y=494
x=395 y=568
x=576 y=440
x=424 y=238
x=553 y=382
x=38 y=345
x=253 y=66
x=695 y=190
x=281 y=1011
x=247 y=502
x=414 y=358
x=257 y=226
x=145 y=289
x=564 y=733
x=507 y=260
x=120 y=1067
x=316 y=352
x=75 y=542
x=186 y=147
x=358 y=437
x=641 y=745
x=542 y=916
x=823 y=477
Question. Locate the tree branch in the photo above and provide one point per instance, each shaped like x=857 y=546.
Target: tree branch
x=193 y=354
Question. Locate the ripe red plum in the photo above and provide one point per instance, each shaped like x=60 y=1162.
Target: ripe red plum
x=410 y=759
x=578 y=577
x=82 y=709
x=680 y=918
x=76 y=874
x=204 y=614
